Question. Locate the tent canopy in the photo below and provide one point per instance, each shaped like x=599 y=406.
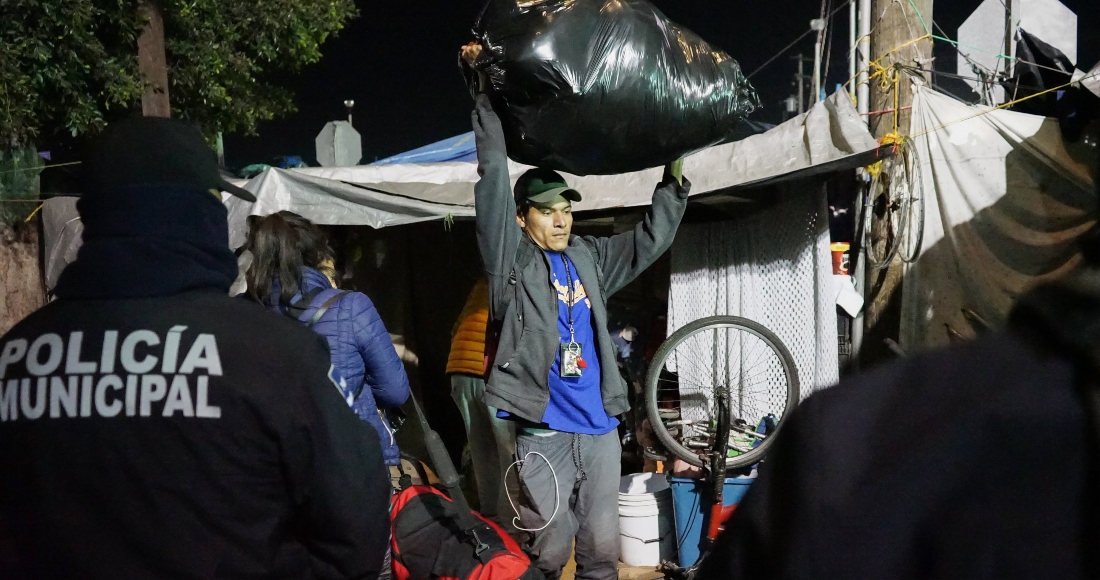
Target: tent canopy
x=830 y=137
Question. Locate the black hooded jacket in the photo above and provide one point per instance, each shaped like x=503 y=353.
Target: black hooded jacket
x=153 y=427
x=974 y=462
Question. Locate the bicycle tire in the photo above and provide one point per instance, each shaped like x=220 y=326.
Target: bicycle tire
x=917 y=202
x=899 y=226
x=669 y=346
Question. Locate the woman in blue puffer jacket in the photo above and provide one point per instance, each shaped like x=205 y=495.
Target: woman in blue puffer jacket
x=292 y=273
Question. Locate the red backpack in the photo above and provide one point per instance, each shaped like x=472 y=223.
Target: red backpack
x=437 y=536
x=430 y=542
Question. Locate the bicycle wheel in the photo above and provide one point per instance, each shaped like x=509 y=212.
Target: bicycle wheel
x=889 y=203
x=914 y=236
x=698 y=359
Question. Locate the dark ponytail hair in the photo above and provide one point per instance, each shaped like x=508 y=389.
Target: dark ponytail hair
x=282 y=245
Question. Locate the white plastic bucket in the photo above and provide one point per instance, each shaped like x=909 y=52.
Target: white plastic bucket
x=647 y=529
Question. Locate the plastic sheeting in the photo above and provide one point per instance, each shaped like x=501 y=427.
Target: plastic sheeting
x=830 y=137
x=457 y=148
x=62 y=233
x=1089 y=80
x=605 y=86
x=1006 y=200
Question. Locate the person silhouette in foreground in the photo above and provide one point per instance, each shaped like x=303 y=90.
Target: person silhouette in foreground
x=979 y=461
x=150 y=425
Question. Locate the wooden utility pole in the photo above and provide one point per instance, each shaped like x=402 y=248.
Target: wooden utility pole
x=152 y=62
x=895 y=24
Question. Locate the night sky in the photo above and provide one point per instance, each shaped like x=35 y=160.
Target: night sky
x=398 y=62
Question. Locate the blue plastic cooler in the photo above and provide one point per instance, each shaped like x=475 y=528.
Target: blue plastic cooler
x=691 y=505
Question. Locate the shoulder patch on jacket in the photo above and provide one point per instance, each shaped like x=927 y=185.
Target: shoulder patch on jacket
x=341 y=385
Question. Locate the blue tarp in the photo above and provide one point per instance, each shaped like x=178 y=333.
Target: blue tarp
x=461 y=147
x=458 y=148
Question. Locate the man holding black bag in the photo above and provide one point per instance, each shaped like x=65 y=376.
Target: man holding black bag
x=554 y=372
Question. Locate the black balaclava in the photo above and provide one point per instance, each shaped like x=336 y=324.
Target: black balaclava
x=147 y=241
x=153 y=225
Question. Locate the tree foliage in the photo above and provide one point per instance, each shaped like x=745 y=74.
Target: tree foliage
x=71 y=65
x=19 y=180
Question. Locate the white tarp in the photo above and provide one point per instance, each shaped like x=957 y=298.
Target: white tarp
x=62 y=232
x=1089 y=80
x=388 y=195
x=1006 y=200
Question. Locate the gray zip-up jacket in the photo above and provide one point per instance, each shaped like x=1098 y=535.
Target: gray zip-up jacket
x=521 y=296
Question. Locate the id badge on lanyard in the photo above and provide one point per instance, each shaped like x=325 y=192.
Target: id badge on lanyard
x=572 y=363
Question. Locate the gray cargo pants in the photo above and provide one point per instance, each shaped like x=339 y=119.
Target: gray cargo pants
x=588 y=470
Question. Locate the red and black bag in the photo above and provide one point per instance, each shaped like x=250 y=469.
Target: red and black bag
x=429 y=541
x=437 y=536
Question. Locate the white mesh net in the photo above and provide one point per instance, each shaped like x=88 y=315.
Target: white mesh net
x=773 y=267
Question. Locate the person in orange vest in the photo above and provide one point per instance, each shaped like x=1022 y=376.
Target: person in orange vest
x=492 y=439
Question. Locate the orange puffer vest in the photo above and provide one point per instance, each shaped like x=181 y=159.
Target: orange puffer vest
x=468 y=343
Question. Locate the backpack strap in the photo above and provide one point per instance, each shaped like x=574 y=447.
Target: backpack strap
x=324 y=307
x=297 y=308
x=448 y=477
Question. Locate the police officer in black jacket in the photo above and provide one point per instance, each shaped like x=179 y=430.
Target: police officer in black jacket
x=153 y=427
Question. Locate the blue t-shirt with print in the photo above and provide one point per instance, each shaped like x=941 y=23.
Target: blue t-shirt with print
x=576 y=403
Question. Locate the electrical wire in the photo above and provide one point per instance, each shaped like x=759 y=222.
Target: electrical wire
x=784 y=50
x=779 y=54
x=977 y=79
x=40 y=168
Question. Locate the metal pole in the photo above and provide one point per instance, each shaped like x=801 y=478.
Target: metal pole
x=801 y=83
x=1012 y=23
x=819 y=49
x=349 y=104
x=863 y=90
x=853 y=24
x=863 y=102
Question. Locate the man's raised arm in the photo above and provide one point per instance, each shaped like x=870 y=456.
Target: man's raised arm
x=498 y=234
x=623 y=257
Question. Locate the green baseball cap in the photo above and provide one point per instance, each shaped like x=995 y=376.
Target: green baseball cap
x=541 y=186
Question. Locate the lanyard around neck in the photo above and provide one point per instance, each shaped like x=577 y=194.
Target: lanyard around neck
x=570 y=296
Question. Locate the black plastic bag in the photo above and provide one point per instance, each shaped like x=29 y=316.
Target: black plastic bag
x=605 y=86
